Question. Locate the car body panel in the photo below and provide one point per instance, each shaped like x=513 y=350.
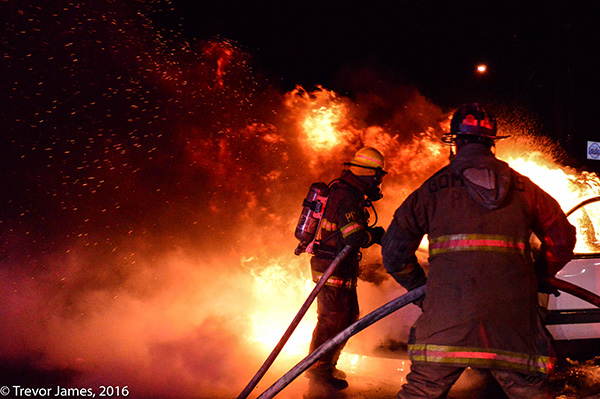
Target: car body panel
x=583 y=271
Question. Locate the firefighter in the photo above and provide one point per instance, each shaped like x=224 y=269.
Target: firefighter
x=345 y=222
x=481 y=307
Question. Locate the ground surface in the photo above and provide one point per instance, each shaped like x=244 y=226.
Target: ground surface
x=577 y=377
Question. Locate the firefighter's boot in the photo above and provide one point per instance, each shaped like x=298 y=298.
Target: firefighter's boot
x=337 y=373
x=325 y=375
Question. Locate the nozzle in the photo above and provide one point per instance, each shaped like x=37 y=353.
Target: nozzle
x=300 y=249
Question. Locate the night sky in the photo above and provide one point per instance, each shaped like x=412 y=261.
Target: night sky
x=541 y=55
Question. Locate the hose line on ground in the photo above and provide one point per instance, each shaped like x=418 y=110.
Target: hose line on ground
x=358 y=326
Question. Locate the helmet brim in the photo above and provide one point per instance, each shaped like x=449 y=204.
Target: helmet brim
x=376 y=169
x=449 y=138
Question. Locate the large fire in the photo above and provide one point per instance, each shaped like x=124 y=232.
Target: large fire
x=326 y=124
x=567 y=186
x=153 y=247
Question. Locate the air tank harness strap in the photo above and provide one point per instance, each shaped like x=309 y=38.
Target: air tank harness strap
x=335 y=281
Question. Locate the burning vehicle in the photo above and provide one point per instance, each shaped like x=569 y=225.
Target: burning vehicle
x=572 y=320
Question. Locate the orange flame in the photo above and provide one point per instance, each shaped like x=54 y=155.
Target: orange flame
x=323 y=118
x=568 y=187
x=280 y=287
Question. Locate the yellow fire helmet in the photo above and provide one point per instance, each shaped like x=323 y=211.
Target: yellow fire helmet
x=367 y=162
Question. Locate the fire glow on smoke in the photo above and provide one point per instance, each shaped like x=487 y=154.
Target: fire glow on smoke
x=152 y=189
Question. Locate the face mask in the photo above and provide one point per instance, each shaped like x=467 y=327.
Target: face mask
x=374 y=194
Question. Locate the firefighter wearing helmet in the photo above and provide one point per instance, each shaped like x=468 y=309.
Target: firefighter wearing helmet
x=481 y=304
x=344 y=222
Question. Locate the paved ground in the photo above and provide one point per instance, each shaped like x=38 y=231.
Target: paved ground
x=372 y=377
x=470 y=386
x=379 y=378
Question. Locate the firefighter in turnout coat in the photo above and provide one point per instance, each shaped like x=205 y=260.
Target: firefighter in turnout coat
x=345 y=222
x=481 y=306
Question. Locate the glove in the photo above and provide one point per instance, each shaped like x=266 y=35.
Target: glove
x=546 y=288
x=376 y=234
x=419 y=302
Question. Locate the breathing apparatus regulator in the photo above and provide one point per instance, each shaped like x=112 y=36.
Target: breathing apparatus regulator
x=367 y=165
x=472 y=122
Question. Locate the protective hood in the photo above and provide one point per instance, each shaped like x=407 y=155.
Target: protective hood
x=487 y=179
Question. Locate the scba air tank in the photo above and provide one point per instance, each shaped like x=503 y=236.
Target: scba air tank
x=313 y=207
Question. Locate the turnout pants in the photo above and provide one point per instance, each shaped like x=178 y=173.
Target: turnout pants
x=337 y=308
x=434 y=381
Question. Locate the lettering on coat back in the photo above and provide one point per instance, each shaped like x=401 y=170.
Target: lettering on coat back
x=443 y=181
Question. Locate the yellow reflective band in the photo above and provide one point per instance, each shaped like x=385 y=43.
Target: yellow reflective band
x=367 y=158
x=464 y=357
x=334 y=281
x=351 y=228
x=328 y=226
x=476 y=242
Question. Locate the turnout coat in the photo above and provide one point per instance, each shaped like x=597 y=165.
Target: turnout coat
x=481 y=304
x=345 y=222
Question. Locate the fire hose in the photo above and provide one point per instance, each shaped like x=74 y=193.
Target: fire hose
x=358 y=326
x=574 y=290
x=386 y=310
x=309 y=300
